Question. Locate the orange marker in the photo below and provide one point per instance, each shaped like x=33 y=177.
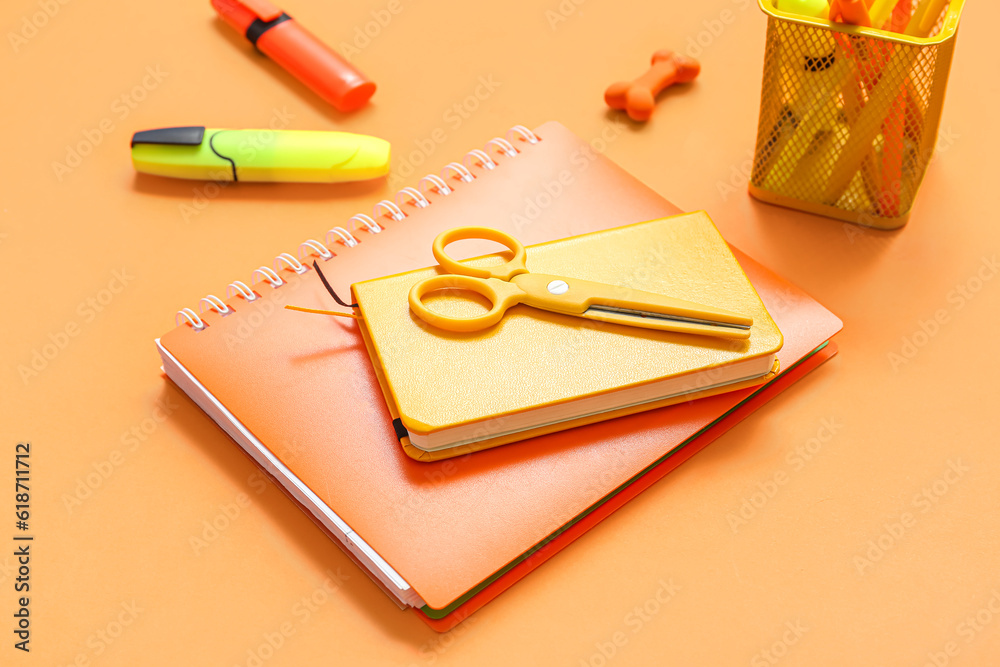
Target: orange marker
x=298 y=51
x=854 y=12
x=893 y=131
x=639 y=97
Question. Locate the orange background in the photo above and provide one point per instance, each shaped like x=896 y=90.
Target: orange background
x=126 y=470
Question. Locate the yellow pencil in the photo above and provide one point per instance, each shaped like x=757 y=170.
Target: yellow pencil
x=880 y=11
x=868 y=124
x=925 y=18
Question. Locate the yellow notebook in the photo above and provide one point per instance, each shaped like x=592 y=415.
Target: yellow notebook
x=537 y=372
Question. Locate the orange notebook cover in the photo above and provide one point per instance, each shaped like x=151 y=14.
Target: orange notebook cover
x=299 y=392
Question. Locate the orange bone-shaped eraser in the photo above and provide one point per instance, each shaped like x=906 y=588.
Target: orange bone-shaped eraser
x=639 y=97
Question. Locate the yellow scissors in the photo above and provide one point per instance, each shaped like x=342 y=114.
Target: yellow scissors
x=511 y=284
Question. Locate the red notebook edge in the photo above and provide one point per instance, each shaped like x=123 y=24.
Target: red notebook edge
x=681 y=454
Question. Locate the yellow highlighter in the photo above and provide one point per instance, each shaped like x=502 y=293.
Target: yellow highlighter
x=288 y=156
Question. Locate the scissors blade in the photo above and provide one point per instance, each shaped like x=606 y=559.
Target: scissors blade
x=663 y=322
x=632 y=307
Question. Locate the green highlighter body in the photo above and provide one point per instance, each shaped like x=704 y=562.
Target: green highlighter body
x=289 y=156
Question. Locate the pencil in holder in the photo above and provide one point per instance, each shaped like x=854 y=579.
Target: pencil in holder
x=849 y=115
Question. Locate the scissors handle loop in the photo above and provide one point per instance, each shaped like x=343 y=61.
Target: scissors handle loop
x=503 y=272
x=500 y=303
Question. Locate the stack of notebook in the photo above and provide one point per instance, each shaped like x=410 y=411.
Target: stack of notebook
x=537 y=372
x=446 y=537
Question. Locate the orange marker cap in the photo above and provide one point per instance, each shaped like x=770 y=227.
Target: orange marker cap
x=298 y=51
x=854 y=12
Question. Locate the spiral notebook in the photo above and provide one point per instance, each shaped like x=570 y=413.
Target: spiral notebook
x=299 y=393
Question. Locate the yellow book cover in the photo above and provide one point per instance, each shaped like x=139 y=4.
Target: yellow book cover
x=537 y=372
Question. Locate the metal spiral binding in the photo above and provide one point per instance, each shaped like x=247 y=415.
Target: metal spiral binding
x=436 y=183
x=414 y=195
x=216 y=304
x=502 y=145
x=240 y=287
x=192 y=317
x=480 y=156
x=392 y=210
x=345 y=237
x=464 y=174
x=367 y=221
x=522 y=132
x=292 y=263
x=315 y=246
x=270 y=275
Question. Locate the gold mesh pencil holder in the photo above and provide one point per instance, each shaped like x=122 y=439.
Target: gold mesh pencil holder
x=849 y=115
